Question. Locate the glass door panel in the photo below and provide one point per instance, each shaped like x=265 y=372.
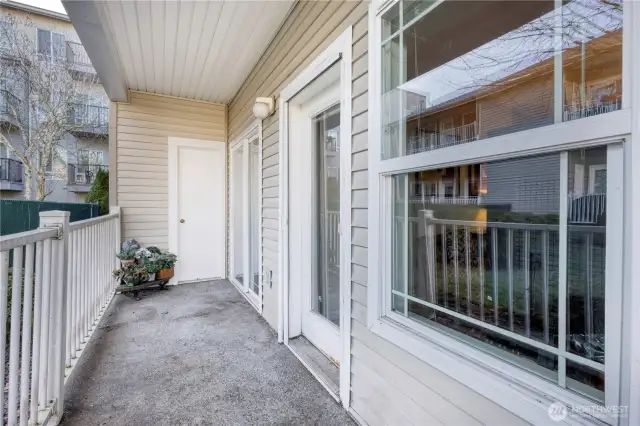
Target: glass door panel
x=326 y=127
x=254 y=217
x=237 y=201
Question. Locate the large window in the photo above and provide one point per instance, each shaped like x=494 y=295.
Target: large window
x=509 y=251
x=517 y=65
x=51 y=45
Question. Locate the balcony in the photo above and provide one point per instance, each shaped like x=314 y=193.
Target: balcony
x=89 y=120
x=9 y=104
x=81 y=176
x=11 y=175
x=96 y=357
x=590 y=108
x=79 y=62
x=427 y=141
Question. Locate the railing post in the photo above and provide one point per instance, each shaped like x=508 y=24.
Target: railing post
x=60 y=220
x=118 y=242
x=431 y=256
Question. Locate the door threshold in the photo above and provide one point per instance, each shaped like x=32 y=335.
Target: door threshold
x=318 y=364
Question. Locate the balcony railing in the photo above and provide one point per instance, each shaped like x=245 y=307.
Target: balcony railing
x=446 y=200
x=427 y=141
x=503 y=278
x=586 y=209
x=89 y=118
x=9 y=102
x=83 y=174
x=76 y=54
x=589 y=109
x=11 y=170
x=57 y=300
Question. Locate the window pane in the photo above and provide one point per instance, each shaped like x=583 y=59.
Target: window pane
x=391 y=21
x=482 y=242
x=442 y=86
x=44 y=42
x=476 y=249
x=592 y=57
x=586 y=253
x=237 y=167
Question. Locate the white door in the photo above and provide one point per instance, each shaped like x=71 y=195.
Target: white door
x=314 y=213
x=197 y=206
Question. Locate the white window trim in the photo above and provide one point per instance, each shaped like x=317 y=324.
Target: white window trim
x=339 y=51
x=518 y=391
x=253 y=131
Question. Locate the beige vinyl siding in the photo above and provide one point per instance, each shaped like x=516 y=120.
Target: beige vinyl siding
x=389 y=385
x=143 y=127
x=309 y=29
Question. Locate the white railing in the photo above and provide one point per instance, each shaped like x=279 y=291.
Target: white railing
x=446 y=200
x=586 y=209
x=60 y=284
x=589 y=109
x=501 y=275
x=427 y=141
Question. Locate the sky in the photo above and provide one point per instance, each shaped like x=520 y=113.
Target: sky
x=55 y=5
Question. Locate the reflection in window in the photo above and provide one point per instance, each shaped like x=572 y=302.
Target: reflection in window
x=443 y=87
x=476 y=252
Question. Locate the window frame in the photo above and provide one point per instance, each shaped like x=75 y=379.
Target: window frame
x=253 y=132
x=50 y=55
x=452 y=356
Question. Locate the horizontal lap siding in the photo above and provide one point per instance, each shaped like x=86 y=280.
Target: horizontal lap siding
x=388 y=385
x=142 y=129
x=309 y=29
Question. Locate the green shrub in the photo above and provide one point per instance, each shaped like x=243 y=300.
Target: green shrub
x=99 y=192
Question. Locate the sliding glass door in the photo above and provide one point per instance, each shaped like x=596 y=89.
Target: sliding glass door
x=245 y=217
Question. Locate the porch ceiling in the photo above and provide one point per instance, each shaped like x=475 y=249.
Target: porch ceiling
x=200 y=50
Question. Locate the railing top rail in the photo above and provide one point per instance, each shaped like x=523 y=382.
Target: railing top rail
x=8 y=242
x=74 y=226
x=515 y=225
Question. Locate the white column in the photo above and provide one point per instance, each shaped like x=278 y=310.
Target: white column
x=59 y=219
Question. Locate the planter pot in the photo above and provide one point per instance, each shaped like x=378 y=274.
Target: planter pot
x=127 y=262
x=164 y=274
x=152 y=277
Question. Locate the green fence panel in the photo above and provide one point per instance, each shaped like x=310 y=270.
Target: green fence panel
x=24 y=215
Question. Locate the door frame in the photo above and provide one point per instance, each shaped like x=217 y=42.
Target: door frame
x=338 y=52
x=251 y=132
x=174 y=144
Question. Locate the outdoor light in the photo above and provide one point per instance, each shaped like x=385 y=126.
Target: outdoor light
x=264 y=107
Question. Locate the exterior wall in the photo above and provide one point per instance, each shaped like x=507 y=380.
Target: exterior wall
x=388 y=385
x=140 y=149
x=93 y=90
x=309 y=29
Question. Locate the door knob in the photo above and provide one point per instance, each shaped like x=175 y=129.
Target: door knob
x=181 y=220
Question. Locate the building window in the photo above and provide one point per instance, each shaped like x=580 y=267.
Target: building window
x=513 y=68
x=51 y=44
x=507 y=249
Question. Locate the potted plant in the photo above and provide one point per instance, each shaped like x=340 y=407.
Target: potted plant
x=152 y=266
x=165 y=262
x=131 y=274
x=127 y=256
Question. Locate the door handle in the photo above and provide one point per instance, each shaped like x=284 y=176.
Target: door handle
x=181 y=220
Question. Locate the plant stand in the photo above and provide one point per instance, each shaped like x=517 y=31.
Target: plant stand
x=133 y=291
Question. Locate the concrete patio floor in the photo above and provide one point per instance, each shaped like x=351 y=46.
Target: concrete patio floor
x=196 y=354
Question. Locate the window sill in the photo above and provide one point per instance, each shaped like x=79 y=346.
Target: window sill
x=522 y=393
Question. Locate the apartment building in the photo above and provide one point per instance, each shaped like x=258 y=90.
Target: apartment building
x=82 y=151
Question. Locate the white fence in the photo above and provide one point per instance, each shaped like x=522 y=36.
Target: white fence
x=60 y=285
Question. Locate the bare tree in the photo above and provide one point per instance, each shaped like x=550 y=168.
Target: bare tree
x=41 y=93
